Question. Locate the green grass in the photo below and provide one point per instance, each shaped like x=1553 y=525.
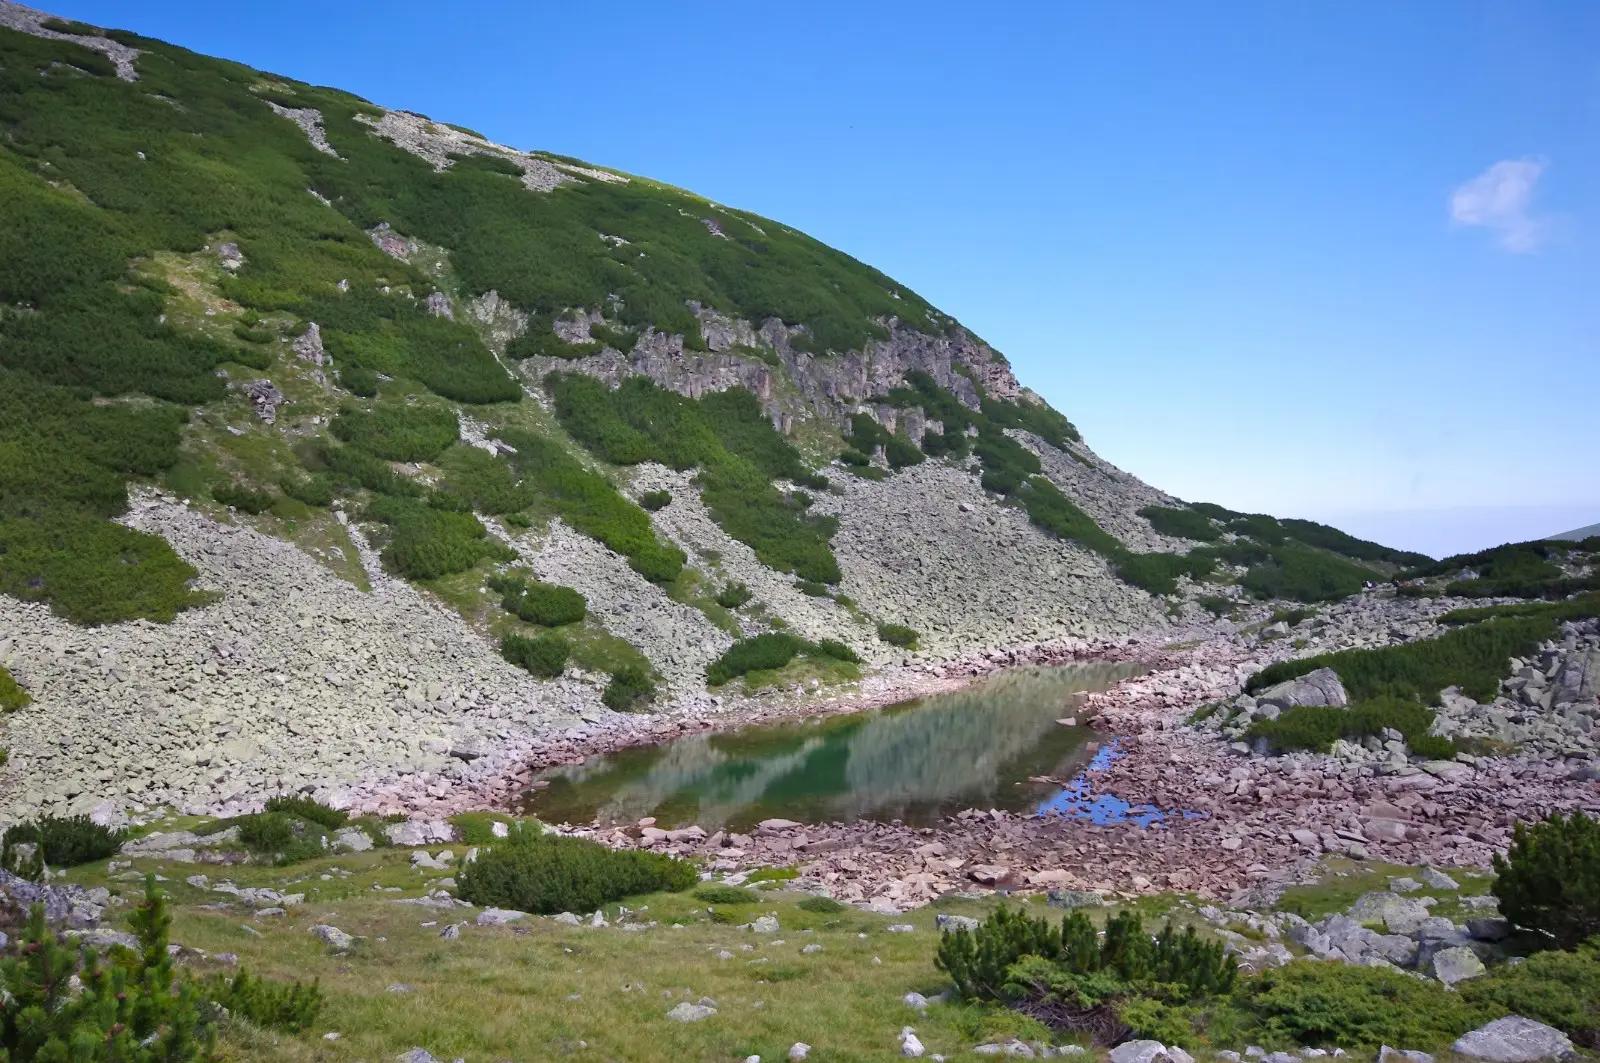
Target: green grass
x=12 y=695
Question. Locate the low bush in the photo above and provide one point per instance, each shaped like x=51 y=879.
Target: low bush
x=1560 y=989
x=1182 y=523
x=12 y=696
x=314 y=490
x=1549 y=879
x=544 y=656
x=655 y=500
x=1072 y=978
x=1316 y=727
x=242 y=497
x=1216 y=605
x=898 y=635
x=290 y=1007
x=550 y=873
x=426 y=542
x=308 y=808
x=58 y=841
x=1304 y=574
x=64 y=1003
x=629 y=689
x=281 y=837
x=398 y=430
x=720 y=893
x=545 y=604
x=836 y=650
x=253 y=335
x=1311 y=1002
x=811 y=588
x=773 y=649
x=820 y=905
x=359 y=381
x=1471 y=657
x=733 y=595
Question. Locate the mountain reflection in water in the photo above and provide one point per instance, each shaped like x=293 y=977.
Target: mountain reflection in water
x=916 y=761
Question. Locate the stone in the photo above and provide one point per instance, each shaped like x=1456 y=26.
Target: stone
x=798 y=1051
x=1579 y=677
x=416 y=1055
x=1402 y=1055
x=910 y=1044
x=945 y=921
x=1145 y=1051
x=1404 y=885
x=1073 y=899
x=1401 y=915
x=766 y=924
x=498 y=917
x=1514 y=1039
x=335 y=938
x=900 y=928
x=1321 y=687
x=1456 y=964
x=567 y=919
x=1489 y=929
x=1438 y=880
x=687 y=1012
x=771 y=826
x=352 y=840
x=915 y=1001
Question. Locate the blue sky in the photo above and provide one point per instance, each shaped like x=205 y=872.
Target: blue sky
x=1338 y=261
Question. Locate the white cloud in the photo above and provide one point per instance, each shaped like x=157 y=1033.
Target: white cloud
x=1500 y=200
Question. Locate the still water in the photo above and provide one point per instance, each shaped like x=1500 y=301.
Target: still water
x=916 y=762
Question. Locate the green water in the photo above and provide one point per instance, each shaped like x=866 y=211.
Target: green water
x=915 y=762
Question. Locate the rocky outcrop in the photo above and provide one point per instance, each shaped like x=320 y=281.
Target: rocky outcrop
x=1318 y=688
x=1514 y=1039
x=27 y=20
x=309 y=119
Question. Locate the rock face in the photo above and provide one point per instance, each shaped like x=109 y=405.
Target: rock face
x=1321 y=687
x=1514 y=1039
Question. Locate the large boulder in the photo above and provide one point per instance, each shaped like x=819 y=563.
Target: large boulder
x=1321 y=687
x=1514 y=1039
x=1399 y=915
x=1456 y=965
x=1579 y=677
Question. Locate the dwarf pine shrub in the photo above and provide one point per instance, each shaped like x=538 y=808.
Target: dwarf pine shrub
x=242 y=497
x=655 y=500
x=898 y=635
x=733 y=595
x=133 y=1007
x=544 y=656
x=12 y=696
x=290 y=1007
x=550 y=873
x=59 y=841
x=545 y=604
x=1549 y=880
x=630 y=688
x=308 y=808
x=1316 y=727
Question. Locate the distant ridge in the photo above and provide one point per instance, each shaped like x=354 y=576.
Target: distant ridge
x=1578 y=534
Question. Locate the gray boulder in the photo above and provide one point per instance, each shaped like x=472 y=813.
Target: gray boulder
x=687 y=1012
x=1579 y=677
x=1514 y=1039
x=955 y=922
x=334 y=937
x=1321 y=687
x=1400 y=915
x=1456 y=964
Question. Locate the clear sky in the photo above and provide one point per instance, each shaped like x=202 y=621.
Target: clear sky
x=1339 y=261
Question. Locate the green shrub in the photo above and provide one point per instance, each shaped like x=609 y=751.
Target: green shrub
x=59 y=841
x=655 y=500
x=253 y=335
x=1311 y=1002
x=1549 y=879
x=1560 y=989
x=426 y=542
x=314 y=490
x=773 y=649
x=811 y=588
x=720 y=893
x=1216 y=605
x=901 y=452
x=1158 y=573
x=1305 y=574
x=836 y=650
x=1182 y=523
x=545 y=604
x=66 y=1004
x=551 y=873
x=358 y=381
x=398 y=430
x=308 y=808
x=1316 y=727
x=1081 y=979
x=820 y=905
x=544 y=656
x=1472 y=658
x=898 y=635
x=290 y=1007
x=629 y=689
x=540 y=341
x=241 y=497
x=12 y=696
x=733 y=595
x=281 y=837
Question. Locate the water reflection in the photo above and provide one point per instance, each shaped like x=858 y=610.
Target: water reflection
x=916 y=762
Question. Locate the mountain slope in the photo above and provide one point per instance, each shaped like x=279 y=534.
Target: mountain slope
x=378 y=388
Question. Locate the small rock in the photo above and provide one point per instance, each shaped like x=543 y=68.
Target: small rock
x=687 y=1012
x=798 y=1051
x=335 y=938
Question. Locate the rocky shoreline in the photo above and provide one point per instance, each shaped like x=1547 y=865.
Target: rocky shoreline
x=1236 y=825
